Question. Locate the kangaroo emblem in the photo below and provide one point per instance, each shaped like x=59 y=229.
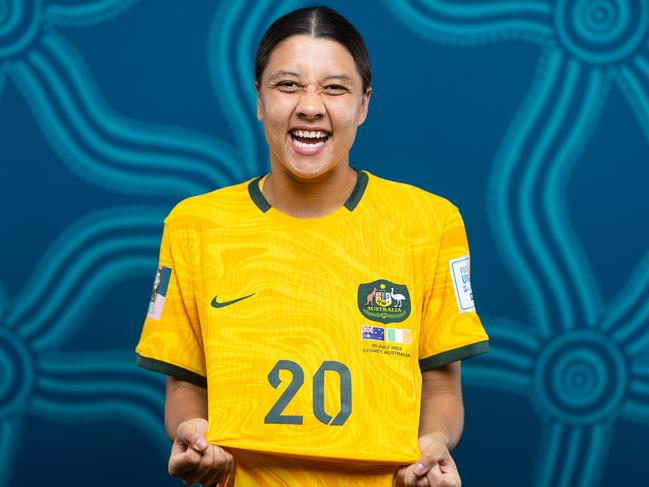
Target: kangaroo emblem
x=370 y=297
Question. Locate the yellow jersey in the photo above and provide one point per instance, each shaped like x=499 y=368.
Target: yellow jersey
x=311 y=334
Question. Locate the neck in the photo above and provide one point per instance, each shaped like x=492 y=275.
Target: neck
x=311 y=198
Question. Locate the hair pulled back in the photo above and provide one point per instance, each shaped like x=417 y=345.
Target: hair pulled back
x=318 y=22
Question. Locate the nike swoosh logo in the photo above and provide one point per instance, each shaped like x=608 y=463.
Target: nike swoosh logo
x=216 y=304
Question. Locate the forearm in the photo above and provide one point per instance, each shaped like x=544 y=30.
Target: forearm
x=183 y=401
x=442 y=409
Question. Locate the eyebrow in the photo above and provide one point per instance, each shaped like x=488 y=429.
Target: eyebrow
x=343 y=77
x=283 y=73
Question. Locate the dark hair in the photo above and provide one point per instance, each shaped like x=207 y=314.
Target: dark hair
x=320 y=22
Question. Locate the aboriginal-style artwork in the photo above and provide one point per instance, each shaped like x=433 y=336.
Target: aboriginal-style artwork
x=112 y=111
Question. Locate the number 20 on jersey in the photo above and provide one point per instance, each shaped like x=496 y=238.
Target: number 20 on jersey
x=275 y=415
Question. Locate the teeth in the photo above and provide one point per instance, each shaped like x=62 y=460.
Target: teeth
x=310 y=134
x=304 y=145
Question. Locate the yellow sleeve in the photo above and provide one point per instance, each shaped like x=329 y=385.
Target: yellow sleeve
x=450 y=329
x=171 y=340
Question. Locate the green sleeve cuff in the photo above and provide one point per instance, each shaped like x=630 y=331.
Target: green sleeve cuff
x=170 y=369
x=454 y=355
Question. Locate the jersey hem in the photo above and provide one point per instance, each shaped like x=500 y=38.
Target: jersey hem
x=454 y=355
x=170 y=369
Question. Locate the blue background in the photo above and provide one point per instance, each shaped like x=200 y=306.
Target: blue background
x=531 y=116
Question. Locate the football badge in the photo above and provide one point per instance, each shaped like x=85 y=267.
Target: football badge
x=159 y=293
x=384 y=301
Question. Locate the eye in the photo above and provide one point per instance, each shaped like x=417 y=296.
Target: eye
x=335 y=89
x=288 y=86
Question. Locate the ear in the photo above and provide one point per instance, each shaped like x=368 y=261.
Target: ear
x=259 y=111
x=365 y=104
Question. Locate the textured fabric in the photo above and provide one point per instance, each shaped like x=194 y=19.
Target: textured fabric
x=310 y=332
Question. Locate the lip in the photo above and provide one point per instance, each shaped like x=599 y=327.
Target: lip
x=307 y=151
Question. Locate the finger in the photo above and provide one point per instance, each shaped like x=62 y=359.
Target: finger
x=227 y=460
x=210 y=467
x=405 y=477
x=438 y=479
x=450 y=474
x=428 y=460
x=178 y=447
x=190 y=434
x=399 y=477
x=220 y=466
x=422 y=482
x=182 y=463
x=448 y=465
x=409 y=478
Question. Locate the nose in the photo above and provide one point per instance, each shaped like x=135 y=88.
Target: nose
x=310 y=106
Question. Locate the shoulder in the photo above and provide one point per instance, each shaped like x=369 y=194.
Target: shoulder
x=214 y=209
x=410 y=203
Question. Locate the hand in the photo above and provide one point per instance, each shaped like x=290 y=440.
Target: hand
x=193 y=459
x=435 y=467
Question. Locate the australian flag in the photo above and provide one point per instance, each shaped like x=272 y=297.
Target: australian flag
x=372 y=333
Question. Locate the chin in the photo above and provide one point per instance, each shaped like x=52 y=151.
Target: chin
x=308 y=170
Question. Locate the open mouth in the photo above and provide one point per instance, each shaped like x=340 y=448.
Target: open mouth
x=309 y=139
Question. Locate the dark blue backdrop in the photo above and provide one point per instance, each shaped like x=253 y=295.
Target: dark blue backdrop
x=532 y=116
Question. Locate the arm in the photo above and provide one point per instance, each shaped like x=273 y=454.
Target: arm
x=442 y=409
x=183 y=401
x=192 y=459
x=440 y=428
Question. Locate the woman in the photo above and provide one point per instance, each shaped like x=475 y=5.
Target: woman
x=317 y=315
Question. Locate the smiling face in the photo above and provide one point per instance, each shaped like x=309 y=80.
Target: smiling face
x=311 y=101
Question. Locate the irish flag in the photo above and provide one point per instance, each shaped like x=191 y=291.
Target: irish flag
x=397 y=335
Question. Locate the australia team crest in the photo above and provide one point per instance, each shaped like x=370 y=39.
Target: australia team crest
x=384 y=301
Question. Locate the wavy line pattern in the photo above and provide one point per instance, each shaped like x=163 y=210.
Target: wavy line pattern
x=87 y=260
x=635 y=405
x=633 y=79
x=531 y=168
x=572 y=456
x=475 y=23
x=19 y=26
x=104 y=148
x=508 y=365
x=100 y=387
x=66 y=14
x=629 y=315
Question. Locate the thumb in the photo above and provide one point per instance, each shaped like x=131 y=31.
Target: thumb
x=423 y=465
x=193 y=436
x=434 y=451
x=427 y=461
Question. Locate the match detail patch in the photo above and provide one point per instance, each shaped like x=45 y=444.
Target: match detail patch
x=461 y=276
x=159 y=292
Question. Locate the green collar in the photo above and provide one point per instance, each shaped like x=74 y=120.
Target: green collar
x=352 y=202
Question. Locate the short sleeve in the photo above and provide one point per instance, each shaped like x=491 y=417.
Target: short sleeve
x=171 y=340
x=450 y=328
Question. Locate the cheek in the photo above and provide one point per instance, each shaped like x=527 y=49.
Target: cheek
x=346 y=122
x=346 y=116
x=277 y=112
